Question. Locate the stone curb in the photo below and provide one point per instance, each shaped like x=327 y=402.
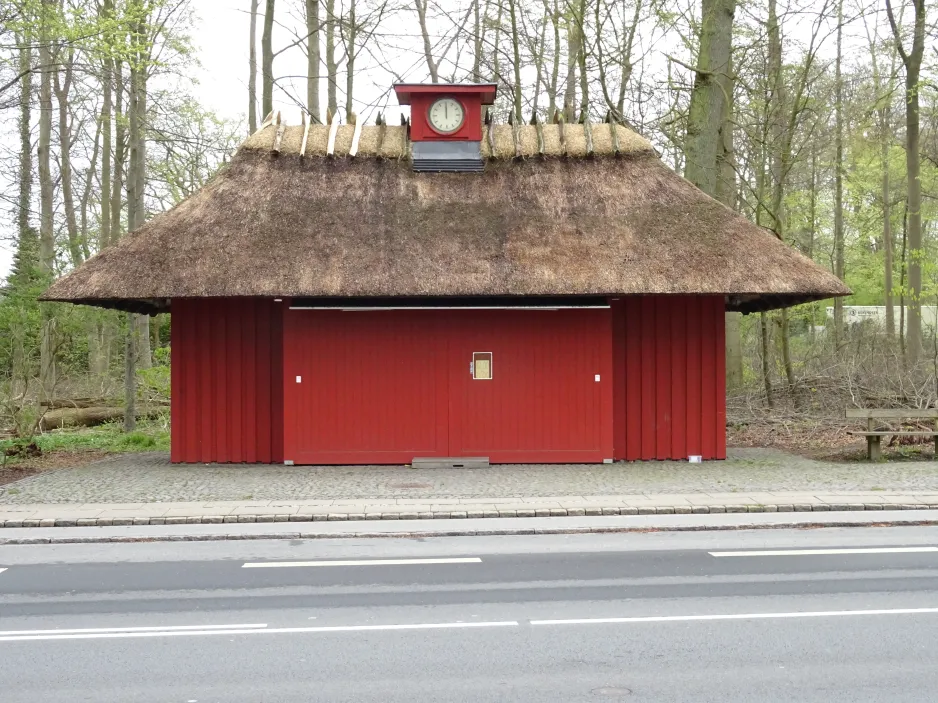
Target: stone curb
x=467 y=514
x=416 y=534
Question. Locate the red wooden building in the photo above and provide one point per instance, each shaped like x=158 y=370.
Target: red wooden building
x=348 y=294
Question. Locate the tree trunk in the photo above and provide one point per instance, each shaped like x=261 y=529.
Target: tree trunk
x=252 y=66
x=497 y=44
x=780 y=150
x=130 y=376
x=120 y=153
x=581 y=60
x=25 y=260
x=136 y=181
x=47 y=369
x=421 y=7
x=839 y=176
x=706 y=110
x=478 y=34
x=332 y=68
x=887 y=227
x=726 y=194
x=62 y=88
x=710 y=138
x=912 y=60
x=516 y=53
x=107 y=106
x=350 y=62
x=902 y=270
x=766 y=375
x=574 y=46
x=25 y=175
x=554 y=15
x=312 y=58
x=267 y=58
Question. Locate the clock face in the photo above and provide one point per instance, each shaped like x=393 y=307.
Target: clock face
x=446 y=115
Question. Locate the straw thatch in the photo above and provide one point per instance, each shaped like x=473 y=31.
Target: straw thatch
x=564 y=220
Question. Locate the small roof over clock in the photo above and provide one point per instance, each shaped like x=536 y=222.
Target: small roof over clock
x=486 y=91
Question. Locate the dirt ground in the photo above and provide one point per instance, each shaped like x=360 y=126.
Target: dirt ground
x=824 y=439
x=18 y=469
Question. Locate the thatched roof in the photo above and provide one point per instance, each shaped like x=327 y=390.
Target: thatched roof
x=559 y=210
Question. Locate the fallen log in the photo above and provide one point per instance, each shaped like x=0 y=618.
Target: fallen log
x=61 y=403
x=90 y=417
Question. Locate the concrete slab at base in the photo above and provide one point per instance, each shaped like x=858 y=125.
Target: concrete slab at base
x=450 y=462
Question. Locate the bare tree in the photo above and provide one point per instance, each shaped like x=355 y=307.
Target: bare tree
x=421 y=7
x=252 y=70
x=839 y=172
x=47 y=371
x=912 y=60
x=313 y=59
x=267 y=58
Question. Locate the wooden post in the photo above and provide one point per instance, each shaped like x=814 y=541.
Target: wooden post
x=935 y=454
x=875 y=450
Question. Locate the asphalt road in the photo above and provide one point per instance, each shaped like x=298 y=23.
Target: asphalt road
x=850 y=615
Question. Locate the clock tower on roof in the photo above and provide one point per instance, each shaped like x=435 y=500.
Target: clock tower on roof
x=446 y=123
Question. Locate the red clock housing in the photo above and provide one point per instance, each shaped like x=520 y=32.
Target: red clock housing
x=472 y=96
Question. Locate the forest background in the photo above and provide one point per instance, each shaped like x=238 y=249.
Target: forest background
x=816 y=119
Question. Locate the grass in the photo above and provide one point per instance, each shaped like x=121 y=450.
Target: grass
x=149 y=436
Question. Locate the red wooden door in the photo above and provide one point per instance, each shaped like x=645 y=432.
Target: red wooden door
x=372 y=387
x=386 y=386
x=547 y=394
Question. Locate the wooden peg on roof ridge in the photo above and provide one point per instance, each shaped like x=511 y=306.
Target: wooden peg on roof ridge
x=516 y=136
x=588 y=133
x=562 y=129
x=278 y=140
x=352 y=118
x=356 y=136
x=490 y=136
x=333 y=129
x=511 y=118
x=329 y=115
x=306 y=127
x=269 y=120
x=379 y=120
x=488 y=116
x=539 y=128
x=534 y=119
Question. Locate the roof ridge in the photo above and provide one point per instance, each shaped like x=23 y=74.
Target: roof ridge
x=500 y=141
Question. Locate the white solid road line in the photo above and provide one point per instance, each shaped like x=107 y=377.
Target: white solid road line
x=165 y=628
x=269 y=631
x=359 y=562
x=737 y=616
x=809 y=552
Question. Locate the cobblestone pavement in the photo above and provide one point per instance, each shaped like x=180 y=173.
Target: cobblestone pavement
x=150 y=477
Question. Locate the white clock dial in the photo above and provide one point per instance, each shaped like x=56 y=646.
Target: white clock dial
x=446 y=115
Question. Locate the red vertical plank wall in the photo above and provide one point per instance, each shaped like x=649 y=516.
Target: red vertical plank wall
x=669 y=371
x=227 y=380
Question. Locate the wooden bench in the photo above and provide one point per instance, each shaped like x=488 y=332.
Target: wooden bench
x=874 y=435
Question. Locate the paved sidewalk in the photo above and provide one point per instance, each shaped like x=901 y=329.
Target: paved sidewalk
x=408 y=529
x=220 y=512
x=145 y=489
